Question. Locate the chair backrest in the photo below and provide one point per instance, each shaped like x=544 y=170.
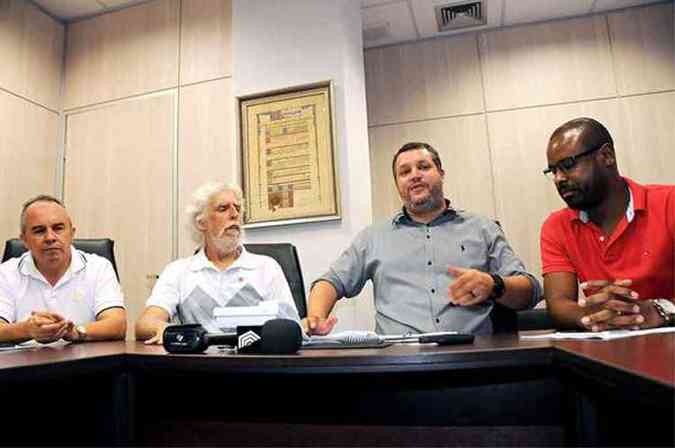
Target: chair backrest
x=536 y=319
x=504 y=319
x=287 y=256
x=104 y=247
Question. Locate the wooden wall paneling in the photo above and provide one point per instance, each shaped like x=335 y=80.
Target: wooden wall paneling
x=43 y=58
x=11 y=39
x=547 y=63
x=644 y=48
x=118 y=184
x=462 y=145
x=646 y=153
x=31 y=46
x=206 y=40
x=27 y=157
x=207 y=145
x=124 y=53
x=422 y=80
x=524 y=196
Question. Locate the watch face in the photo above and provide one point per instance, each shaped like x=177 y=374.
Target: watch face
x=667 y=305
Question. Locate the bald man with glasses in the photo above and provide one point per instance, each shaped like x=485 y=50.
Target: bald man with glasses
x=615 y=239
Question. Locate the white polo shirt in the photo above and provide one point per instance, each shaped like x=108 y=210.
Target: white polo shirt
x=190 y=288
x=88 y=287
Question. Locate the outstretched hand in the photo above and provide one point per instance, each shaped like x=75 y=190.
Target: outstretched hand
x=318 y=325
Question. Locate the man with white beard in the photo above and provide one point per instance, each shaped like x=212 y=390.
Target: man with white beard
x=222 y=273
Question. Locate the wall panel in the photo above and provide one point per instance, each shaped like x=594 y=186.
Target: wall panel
x=434 y=78
x=547 y=63
x=644 y=48
x=525 y=197
x=27 y=157
x=647 y=152
x=118 y=184
x=207 y=145
x=128 y=52
x=206 y=40
x=31 y=48
x=462 y=145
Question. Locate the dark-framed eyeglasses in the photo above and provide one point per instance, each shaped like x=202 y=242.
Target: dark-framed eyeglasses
x=568 y=163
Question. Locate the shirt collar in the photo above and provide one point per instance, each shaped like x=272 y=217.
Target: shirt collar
x=636 y=201
x=27 y=266
x=200 y=261
x=402 y=216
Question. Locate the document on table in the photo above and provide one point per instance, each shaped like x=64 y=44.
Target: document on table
x=10 y=347
x=601 y=335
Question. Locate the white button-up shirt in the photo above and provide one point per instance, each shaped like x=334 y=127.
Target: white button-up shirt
x=88 y=287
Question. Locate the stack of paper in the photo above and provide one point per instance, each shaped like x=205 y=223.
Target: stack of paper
x=602 y=335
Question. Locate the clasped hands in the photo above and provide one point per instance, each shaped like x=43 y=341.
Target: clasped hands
x=46 y=327
x=614 y=305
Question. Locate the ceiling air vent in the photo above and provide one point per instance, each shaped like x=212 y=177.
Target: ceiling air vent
x=460 y=15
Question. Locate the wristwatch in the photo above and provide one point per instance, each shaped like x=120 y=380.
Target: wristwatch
x=81 y=333
x=666 y=310
x=499 y=287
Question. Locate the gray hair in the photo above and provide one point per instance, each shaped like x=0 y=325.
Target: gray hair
x=196 y=209
x=33 y=200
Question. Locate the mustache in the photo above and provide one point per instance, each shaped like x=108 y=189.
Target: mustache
x=565 y=187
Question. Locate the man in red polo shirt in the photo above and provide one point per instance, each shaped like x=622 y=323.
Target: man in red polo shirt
x=616 y=237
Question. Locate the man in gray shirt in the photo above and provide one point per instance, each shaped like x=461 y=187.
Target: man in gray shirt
x=433 y=268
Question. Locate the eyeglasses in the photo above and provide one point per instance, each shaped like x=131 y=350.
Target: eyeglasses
x=568 y=163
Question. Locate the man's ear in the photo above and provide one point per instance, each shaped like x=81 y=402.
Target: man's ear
x=199 y=223
x=608 y=155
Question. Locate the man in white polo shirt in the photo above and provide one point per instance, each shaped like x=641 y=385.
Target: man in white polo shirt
x=55 y=291
x=222 y=273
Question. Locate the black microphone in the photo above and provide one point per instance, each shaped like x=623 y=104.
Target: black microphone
x=275 y=337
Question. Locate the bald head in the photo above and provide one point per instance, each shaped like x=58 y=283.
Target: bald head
x=587 y=132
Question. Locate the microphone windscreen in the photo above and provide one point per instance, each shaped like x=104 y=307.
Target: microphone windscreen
x=281 y=336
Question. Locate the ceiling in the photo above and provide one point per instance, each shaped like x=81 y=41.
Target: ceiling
x=392 y=21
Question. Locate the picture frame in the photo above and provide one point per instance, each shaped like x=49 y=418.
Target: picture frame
x=289 y=167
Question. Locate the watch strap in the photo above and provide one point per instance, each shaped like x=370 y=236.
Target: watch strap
x=499 y=287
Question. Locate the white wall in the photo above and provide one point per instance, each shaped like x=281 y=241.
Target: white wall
x=281 y=43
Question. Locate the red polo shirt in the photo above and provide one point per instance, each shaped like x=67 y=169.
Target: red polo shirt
x=641 y=248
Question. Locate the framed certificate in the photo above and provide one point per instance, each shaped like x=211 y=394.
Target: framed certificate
x=288 y=156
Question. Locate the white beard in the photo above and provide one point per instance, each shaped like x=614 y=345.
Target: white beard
x=226 y=244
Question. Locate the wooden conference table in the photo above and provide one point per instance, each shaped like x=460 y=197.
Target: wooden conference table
x=498 y=391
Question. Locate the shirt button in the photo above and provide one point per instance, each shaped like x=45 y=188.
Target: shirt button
x=428 y=237
x=433 y=291
x=602 y=238
x=429 y=263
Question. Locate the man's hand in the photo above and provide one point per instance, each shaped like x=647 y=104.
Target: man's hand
x=318 y=325
x=158 y=338
x=47 y=327
x=615 y=305
x=470 y=287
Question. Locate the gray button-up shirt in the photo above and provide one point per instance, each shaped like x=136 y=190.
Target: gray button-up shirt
x=408 y=264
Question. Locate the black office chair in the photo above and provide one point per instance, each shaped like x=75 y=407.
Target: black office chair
x=99 y=246
x=287 y=256
x=537 y=319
